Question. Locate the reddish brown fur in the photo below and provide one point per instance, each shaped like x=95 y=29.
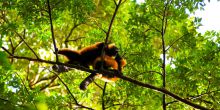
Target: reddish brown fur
x=109 y=62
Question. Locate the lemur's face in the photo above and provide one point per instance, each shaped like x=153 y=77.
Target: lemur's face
x=111 y=50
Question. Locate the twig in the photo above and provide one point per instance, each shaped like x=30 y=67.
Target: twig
x=71 y=31
x=123 y=1
x=108 y=32
x=193 y=97
x=103 y=95
x=6 y=100
x=156 y=72
x=115 y=2
x=78 y=38
x=52 y=32
x=176 y=41
x=48 y=85
x=27 y=44
x=26 y=89
x=76 y=102
x=98 y=85
x=7 y=51
x=112 y=20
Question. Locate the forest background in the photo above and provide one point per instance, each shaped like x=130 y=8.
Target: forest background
x=170 y=65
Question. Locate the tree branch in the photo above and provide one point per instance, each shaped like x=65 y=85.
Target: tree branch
x=163 y=31
x=76 y=102
x=70 y=33
x=112 y=20
x=193 y=97
x=26 y=90
x=27 y=44
x=78 y=38
x=162 y=90
x=52 y=32
x=7 y=51
x=176 y=41
x=109 y=30
x=103 y=95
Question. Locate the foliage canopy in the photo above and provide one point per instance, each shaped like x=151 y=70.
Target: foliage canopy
x=158 y=39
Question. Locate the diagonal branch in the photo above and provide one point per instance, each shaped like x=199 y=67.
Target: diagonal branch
x=71 y=31
x=145 y=85
x=112 y=20
x=76 y=102
x=176 y=41
x=193 y=97
x=27 y=44
x=78 y=38
x=162 y=90
x=98 y=85
x=26 y=90
x=7 y=51
x=109 y=30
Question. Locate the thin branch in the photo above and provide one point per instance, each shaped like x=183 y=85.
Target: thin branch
x=123 y=1
x=66 y=87
x=71 y=31
x=27 y=44
x=76 y=102
x=176 y=41
x=156 y=72
x=162 y=90
x=97 y=26
x=48 y=85
x=103 y=95
x=19 y=43
x=12 y=46
x=7 y=51
x=193 y=97
x=98 y=85
x=78 y=38
x=115 y=2
x=113 y=105
x=26 y=89
x=153 y=27
x=6 y=100
x=109 y=30
x=112 y=20
x=52 y=31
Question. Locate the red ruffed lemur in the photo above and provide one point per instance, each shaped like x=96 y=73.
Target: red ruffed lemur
x=116 y=64
x=91 y=56
x=87 y=55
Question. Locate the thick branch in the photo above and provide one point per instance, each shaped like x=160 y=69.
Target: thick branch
x=163 y=31
x=162 y=90
x=120 y=76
